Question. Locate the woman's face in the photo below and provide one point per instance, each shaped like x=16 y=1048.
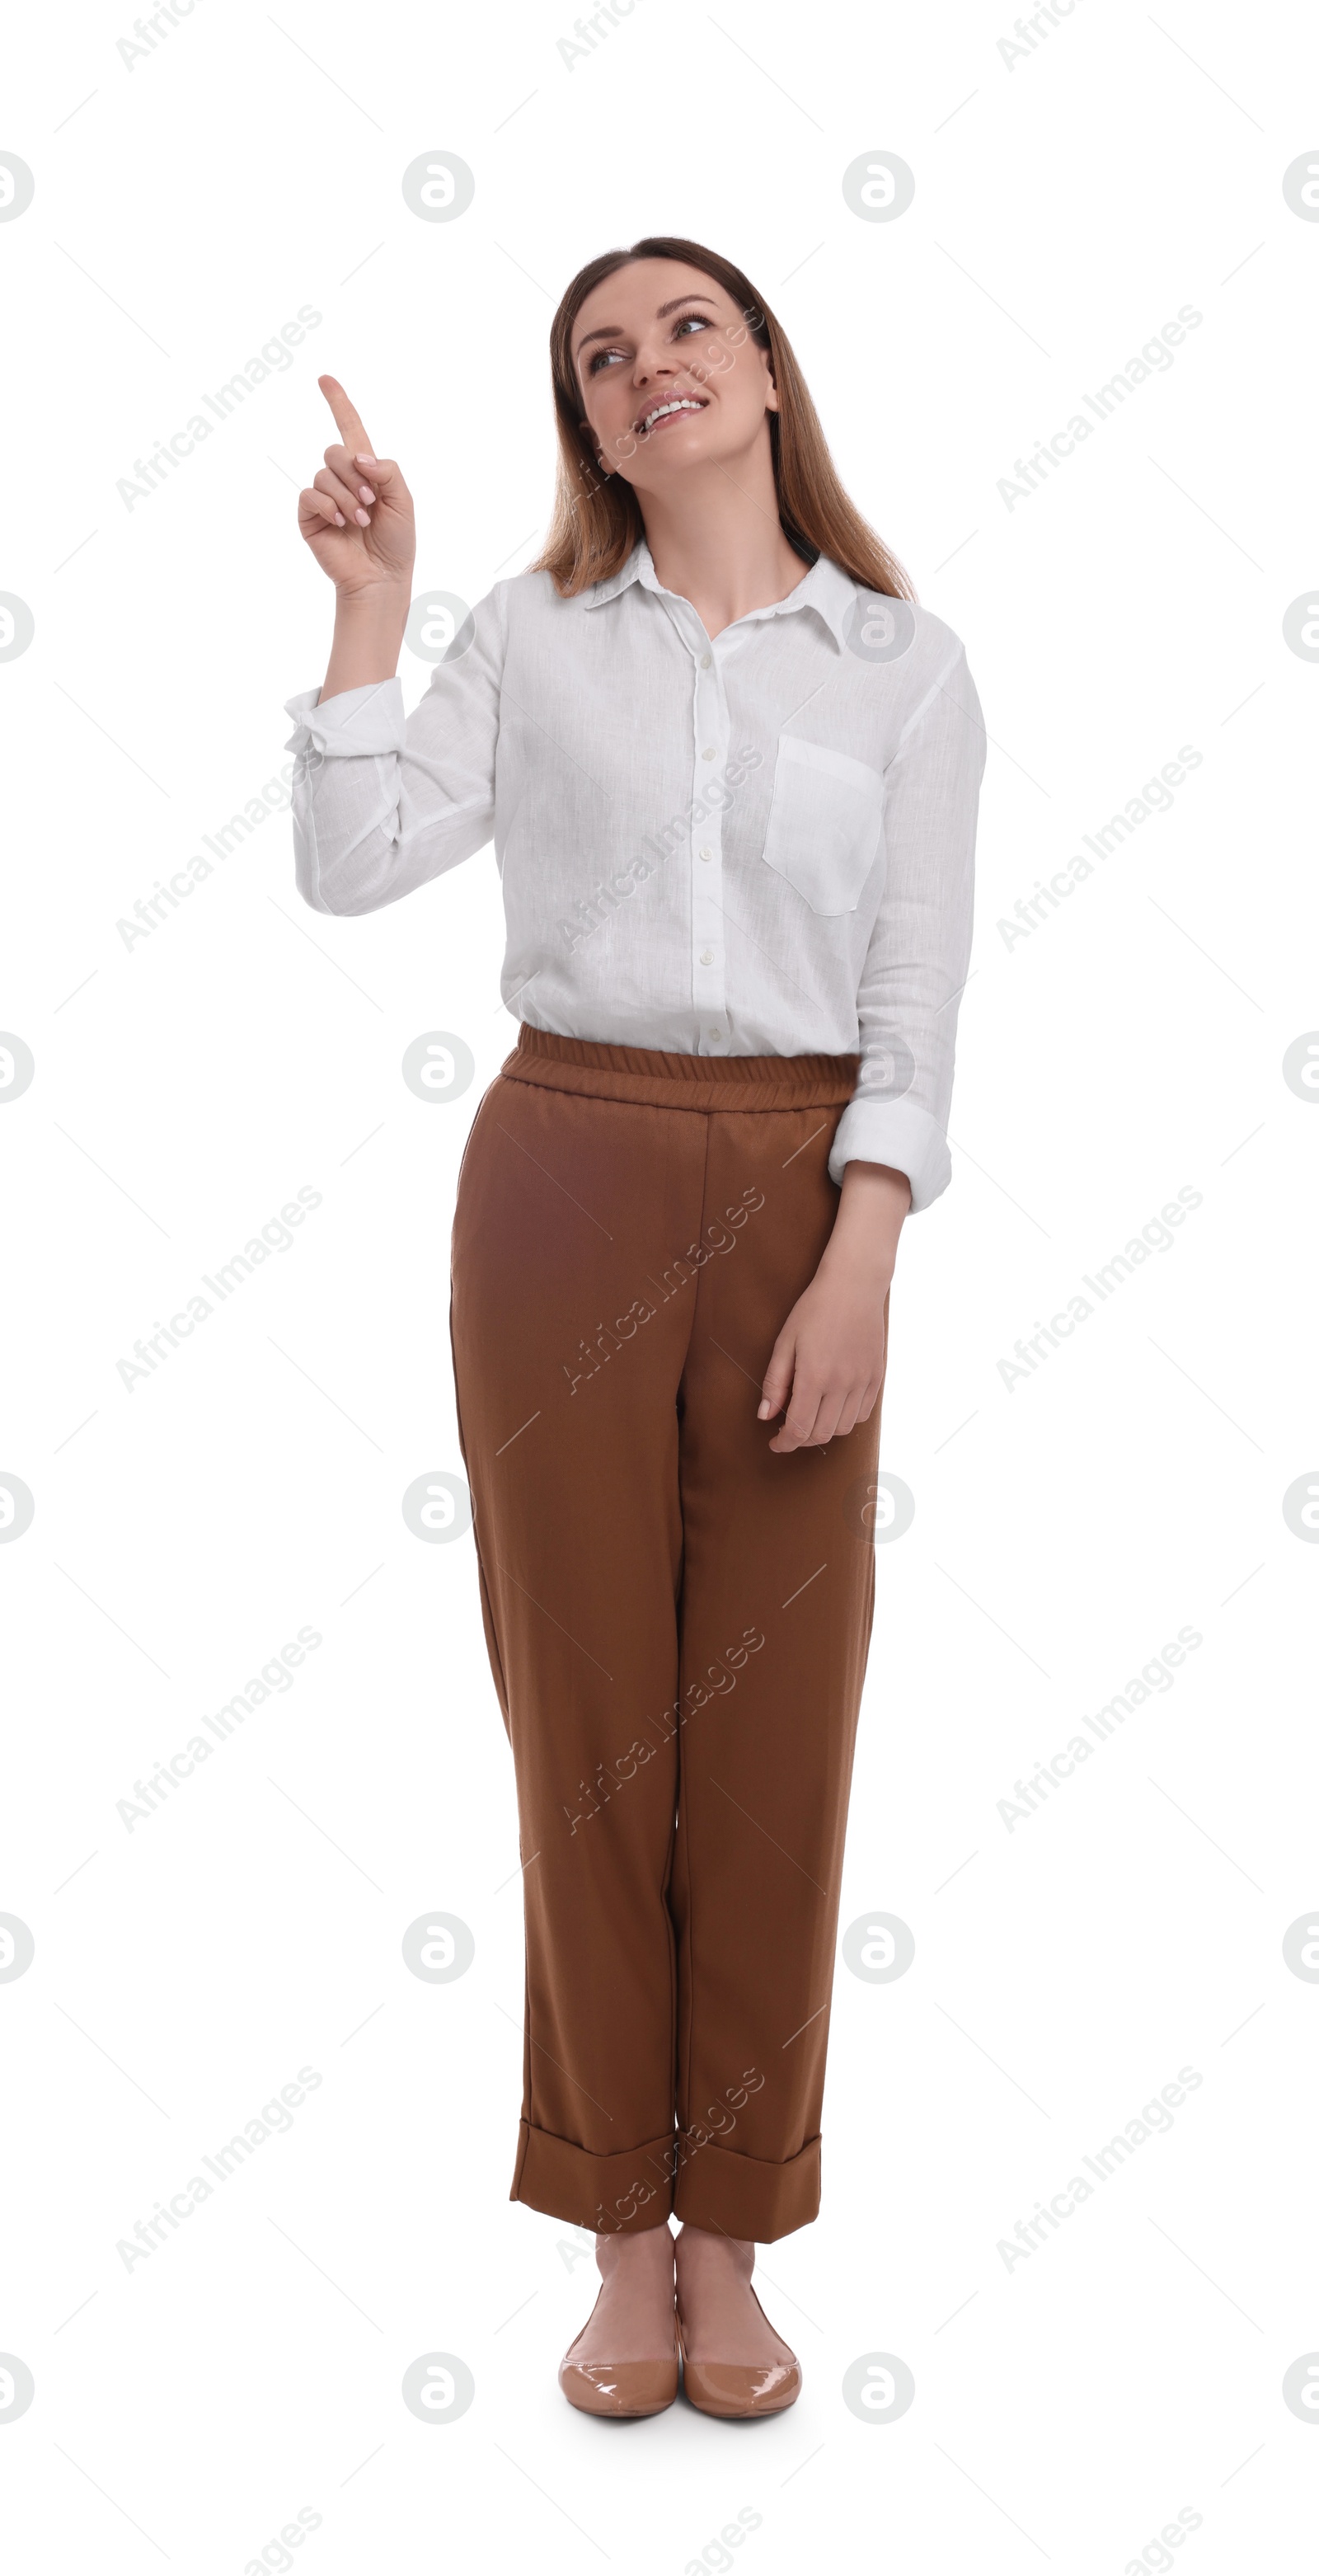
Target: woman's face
x=669 y=374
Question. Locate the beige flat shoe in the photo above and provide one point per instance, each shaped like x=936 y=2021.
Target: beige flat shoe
x=739 y=2388
x=620 y=2388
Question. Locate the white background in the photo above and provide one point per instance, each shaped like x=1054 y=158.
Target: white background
x=1067 y=205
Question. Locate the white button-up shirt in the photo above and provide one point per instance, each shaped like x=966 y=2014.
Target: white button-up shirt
x=756 y=843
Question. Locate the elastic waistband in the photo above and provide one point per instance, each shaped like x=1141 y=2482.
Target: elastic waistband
x=649 y=1079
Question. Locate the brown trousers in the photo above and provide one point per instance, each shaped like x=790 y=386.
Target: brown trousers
x=677 y=1618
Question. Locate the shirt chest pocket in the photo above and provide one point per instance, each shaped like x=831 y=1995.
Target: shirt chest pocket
x=826 y=816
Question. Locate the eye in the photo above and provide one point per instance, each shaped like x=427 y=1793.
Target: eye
x=681 y=330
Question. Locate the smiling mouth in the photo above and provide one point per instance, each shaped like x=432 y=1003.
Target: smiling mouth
x=673 y=407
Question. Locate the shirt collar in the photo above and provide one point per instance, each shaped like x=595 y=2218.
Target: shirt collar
x=825 y=587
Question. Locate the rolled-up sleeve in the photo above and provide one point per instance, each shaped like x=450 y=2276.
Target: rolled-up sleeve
x=382 y=802
x=916 y=963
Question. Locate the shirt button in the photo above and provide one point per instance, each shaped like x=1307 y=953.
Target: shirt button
x=717 y=1036
x=705 y=661
x=707 y=854
x=707 y=959
x=707 y=755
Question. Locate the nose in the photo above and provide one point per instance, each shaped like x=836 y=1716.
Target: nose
x=650 y=362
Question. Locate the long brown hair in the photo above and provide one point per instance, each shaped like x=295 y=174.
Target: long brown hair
x=597 y=519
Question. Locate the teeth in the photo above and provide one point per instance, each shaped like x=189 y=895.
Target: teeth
x=682 y=404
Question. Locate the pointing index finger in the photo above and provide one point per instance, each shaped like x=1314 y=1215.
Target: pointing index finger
x=348 y=422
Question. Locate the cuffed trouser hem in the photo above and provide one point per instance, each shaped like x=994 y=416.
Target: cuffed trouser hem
x=628 y=2190
x=741 y=2196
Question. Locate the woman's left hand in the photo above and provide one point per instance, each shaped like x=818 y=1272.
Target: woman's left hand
x=827 y=1366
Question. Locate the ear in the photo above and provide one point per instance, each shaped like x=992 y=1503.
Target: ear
x=771 y=390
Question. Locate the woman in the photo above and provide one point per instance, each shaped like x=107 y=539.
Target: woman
x=731 y=775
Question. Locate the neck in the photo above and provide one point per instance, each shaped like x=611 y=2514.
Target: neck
x=717 y=541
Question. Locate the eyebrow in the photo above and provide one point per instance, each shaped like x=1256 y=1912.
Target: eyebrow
x=614 y=330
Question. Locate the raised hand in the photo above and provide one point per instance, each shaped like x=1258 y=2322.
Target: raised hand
x=357 y=514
